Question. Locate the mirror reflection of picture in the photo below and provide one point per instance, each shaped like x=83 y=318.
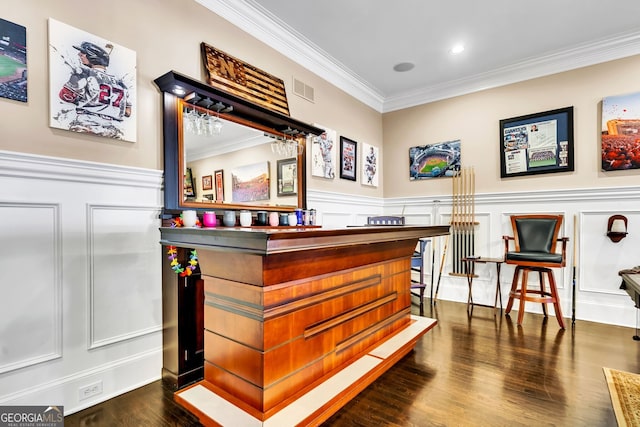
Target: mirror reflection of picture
x=219 y=177
x=189 y=188
x=287 y=177
x=207 y=183
x=250 y=183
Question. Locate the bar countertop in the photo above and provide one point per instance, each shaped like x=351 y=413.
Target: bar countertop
x=272 y=240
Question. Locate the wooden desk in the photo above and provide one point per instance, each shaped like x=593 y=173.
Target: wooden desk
x=470 y=266
x=287 y=311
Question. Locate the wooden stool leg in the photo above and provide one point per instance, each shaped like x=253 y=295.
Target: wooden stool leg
x=543 y=291
x=556 y=299
x=514 y=289
x=523 y=295
x=514 y=286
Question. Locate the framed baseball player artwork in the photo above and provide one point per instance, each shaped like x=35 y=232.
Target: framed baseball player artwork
x=92 y=84
x=370 y=161
x=323 y=153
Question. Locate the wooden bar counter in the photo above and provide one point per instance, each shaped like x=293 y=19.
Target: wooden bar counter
x=299 y=320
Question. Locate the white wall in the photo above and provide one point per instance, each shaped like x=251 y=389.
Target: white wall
x=81 y=274
x=598 y=297
x=81 y=279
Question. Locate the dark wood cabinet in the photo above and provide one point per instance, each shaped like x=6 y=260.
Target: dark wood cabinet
x=182 y=324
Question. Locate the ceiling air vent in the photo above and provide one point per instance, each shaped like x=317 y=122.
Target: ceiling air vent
x=302 y=89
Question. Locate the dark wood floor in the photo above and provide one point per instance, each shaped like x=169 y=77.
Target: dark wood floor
x=468 y=371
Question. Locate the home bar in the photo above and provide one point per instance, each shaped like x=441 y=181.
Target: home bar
x=276 y=323
x=288 y=311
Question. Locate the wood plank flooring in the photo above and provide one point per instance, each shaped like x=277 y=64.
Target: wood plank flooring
x=477 y=370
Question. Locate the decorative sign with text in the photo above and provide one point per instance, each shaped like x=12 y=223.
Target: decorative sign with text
x=246 y=81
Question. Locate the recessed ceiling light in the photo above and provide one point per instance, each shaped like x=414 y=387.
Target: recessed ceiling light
x=457 y=49
x=403 y=66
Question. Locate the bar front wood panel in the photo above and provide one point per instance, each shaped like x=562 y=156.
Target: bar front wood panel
x=265 y=343
x=284 y=312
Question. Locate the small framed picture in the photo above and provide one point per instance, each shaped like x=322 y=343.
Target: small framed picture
x=219 y=177
x=207 y=183
x=348 y=156
x=287 y=177
x=370 y=156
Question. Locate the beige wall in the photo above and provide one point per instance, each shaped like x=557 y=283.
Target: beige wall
x=166 y=36
x=474 y=119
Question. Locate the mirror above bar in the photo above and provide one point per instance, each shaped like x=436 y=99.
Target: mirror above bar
x=264 y=139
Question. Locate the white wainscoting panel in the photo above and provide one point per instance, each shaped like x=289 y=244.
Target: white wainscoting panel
x=598 y=297
x=125 y=268
x=80 y=285
x=30 y=298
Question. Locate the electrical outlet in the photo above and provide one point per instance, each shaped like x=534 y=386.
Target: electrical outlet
x=90 y=390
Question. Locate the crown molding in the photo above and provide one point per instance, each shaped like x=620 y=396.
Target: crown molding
x=261 y=24
x=264 y=26
x=585 y=55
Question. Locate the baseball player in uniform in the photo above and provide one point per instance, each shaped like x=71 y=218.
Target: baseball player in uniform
x=371 y=165
x=101 y=100
x=326 y=145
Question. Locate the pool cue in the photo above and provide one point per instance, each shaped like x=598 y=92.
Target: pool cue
x=434 y=220
x=444 y=254
x=575 y=263
x=433 y=266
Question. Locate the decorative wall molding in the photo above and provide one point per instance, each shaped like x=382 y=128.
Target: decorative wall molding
x=138 y=368
x=56 y=168
x=84 y=219
x=598 y=297
x=117 y=263
x=38 y=226
x=515 y=197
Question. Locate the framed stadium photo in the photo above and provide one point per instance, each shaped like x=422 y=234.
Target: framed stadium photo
x=537 y=143
x=13 y=61
x=434 y=161
x=620 y=130
x=250 y=183
x=92 y=84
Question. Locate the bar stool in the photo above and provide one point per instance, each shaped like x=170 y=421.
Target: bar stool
x=535 y=238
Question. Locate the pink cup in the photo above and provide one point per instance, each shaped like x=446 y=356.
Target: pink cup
x=209 y=219
x=274 y=219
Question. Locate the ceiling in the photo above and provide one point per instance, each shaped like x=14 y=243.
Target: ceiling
x=354 y=44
